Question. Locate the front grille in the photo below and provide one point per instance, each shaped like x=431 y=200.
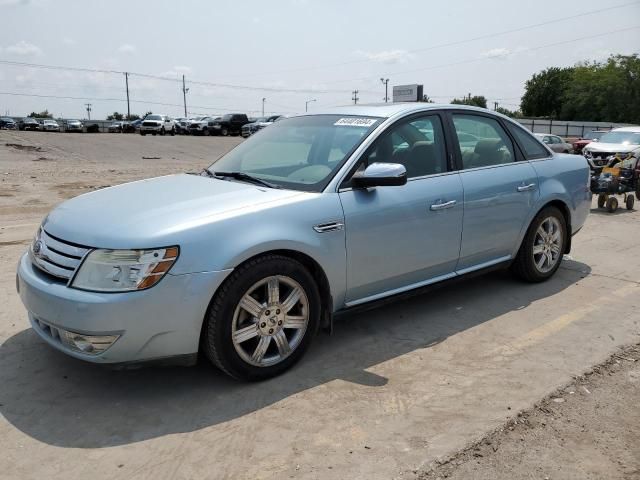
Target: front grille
x=55 y=256
x=602 y=155
x=149 y=124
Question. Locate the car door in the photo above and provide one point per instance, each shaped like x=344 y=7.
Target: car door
x=401 y=237
x=500 y=190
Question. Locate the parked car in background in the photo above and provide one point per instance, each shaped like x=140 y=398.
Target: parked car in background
x=157 y=124
x=8 y=123
x=555 y=143
x=258 y=124
x=200 y=126
x=245 y=261
x=230 y=124
x=181 y=126
x=115 y=127
x=93 y=128
x=132 y=127
x=74 y=126
x=28 y=124
x=49 y=125
x=621 y=142
x=592 y=136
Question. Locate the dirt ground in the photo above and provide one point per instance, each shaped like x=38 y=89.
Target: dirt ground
x=399 y=392
x=586 y=430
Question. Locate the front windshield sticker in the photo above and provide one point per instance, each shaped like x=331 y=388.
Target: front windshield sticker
x=355 y=122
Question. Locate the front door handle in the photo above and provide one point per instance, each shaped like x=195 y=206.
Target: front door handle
x=526 y=188
x=442 y=206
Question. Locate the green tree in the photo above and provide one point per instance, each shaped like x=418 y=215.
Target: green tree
x=116 y=116
x=509 y=113
x=475 y=101
x=545 y=92
x=426 y=99
x=604 y=92
x=43 y=114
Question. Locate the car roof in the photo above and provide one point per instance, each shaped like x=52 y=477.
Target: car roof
x=627 y=129
x=393 y=109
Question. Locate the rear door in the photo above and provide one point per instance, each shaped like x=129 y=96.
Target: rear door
x=500 y=190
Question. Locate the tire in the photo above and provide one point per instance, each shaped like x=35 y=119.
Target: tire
x=630 y=202
x=154 y=134
x=612 y=204
x=538 y=260
x=173 y=131
x=162 y=131
x=602 y=199
x=243 y=359
x=224 y=132
x=142 y=133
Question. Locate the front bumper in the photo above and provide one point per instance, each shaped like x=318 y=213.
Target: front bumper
x=149 y=128
x=163 y=321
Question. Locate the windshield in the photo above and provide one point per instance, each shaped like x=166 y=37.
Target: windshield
x=626 y=138
x=594 y=135
x=153 y=117
x=300 y=153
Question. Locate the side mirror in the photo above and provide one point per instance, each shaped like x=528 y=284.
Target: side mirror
x=381 y=175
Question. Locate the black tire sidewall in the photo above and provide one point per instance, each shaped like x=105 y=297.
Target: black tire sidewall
x=217 y=342
x=526 y=268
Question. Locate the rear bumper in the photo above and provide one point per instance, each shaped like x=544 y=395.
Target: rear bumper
x=163 y=321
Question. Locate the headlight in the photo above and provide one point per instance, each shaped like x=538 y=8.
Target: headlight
x=124 y=270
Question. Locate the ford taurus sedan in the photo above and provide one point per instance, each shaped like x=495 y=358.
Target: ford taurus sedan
x=318 y=214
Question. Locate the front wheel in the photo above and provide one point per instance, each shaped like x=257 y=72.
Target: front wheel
x=142 y=133
x=630 y=202
x=162 y=131
x=541 y=251
x=262 y=319
x=173 y=131
x=612 y=204
x=602 y=199
x=224 y=132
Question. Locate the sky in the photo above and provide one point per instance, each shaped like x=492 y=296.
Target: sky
x=234 y=54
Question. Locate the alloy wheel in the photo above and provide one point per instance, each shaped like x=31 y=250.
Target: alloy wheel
x=547 y=245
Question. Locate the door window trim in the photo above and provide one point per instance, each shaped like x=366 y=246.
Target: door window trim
x=518 y=155
x=344 y=185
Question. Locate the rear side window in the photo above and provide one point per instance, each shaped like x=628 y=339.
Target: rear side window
x=483 y=142
x=529 y=144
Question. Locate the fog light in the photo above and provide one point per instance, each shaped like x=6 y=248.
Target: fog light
x=90 y=344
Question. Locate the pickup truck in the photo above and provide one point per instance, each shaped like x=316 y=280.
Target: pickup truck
x=157 y=124
x=230 y=124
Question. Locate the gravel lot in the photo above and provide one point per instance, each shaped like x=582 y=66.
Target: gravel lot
x=392 y=392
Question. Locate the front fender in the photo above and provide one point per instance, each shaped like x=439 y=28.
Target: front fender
x=286 y=226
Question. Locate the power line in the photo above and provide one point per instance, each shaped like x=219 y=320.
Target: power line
x=463 y=41
x=480 y=59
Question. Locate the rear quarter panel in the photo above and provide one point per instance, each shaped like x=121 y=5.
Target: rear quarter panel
x=564 y=177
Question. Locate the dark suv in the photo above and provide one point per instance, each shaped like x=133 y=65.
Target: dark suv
x=28 y=124
x=229 y=124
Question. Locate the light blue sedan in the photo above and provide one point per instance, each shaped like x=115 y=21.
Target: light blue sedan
x=314 y=215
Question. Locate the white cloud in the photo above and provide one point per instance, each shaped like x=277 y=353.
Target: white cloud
x=24 y=48
x=387 y=56
x=127 y=48
x=177 y=71
x=499 y=53
x=68 y=41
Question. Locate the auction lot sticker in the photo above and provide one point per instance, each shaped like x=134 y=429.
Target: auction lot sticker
x=356 y=122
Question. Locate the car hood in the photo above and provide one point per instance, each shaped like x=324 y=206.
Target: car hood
x=610 y=147
x=156 y=212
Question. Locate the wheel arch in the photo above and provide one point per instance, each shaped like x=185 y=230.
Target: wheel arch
x=316 y=271
x=566 y=213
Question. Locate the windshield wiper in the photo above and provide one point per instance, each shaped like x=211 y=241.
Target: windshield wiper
x=244 y=176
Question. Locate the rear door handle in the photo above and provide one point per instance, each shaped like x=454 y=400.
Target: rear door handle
x=442 y=206
x=526 y=188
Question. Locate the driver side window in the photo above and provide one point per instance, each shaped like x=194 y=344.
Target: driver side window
x=417 y=144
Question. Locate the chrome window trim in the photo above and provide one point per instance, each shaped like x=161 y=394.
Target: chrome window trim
x=423 y=177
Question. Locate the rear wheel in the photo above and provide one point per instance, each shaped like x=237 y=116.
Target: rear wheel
x=630 y=202
x=262 y=319
x=142 y=133
x=541 y=251
x=612 y=204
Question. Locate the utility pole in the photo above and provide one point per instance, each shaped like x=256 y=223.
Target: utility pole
x=184 y=96
x=306 y=104
x=126 y=81
x=355 y=97
x=88 y=105
x=385 y=82
x=263 y=100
